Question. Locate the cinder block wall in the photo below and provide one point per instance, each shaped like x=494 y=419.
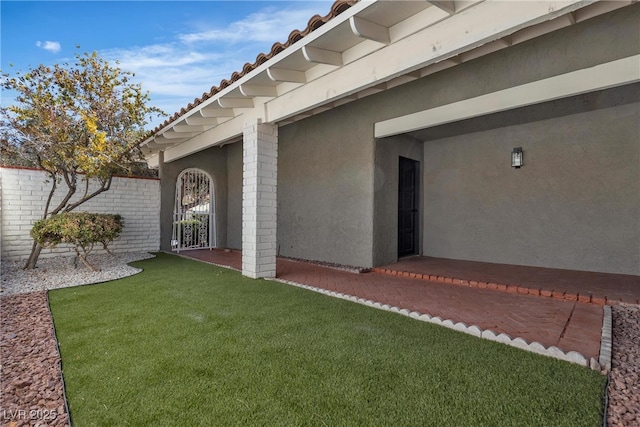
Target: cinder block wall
x=24 y=192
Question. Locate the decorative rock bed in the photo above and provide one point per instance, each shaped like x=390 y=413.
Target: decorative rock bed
x=62 y=272
x=32 y=389
x=624 y=380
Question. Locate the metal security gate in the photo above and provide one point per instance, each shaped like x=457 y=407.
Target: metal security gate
x=193 y=213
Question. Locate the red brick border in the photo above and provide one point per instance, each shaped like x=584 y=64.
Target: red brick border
x=510 y=288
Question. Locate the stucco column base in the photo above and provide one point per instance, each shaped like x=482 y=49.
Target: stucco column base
x=259 y=185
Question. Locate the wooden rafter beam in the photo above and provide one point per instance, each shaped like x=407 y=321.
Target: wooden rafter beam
x=205 y=121
x=186 y=128
x=448 y=6
x=369 y=30
x=162 y=140
x=285 y=75
x=322 y=56
x=235 y=102
x=255 y=90
x=170 y=134
x=214 y=113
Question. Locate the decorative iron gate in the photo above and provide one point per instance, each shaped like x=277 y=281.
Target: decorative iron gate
x=193 y=213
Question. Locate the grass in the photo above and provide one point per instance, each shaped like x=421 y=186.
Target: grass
x=187 y=343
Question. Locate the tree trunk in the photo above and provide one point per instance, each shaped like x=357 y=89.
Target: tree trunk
x=83 y=259
x=33 y=257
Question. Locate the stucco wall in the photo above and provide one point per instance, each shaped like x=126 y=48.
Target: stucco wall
x=24 y=194
x=234 y=195
x=325 y=187
x=214 y=162
x=575 y=204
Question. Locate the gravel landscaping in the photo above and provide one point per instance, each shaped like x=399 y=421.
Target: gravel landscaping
x=62 y=272
x=32 y=388
x=624 y=382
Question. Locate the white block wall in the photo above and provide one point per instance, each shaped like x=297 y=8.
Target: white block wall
x=259 y=204
x=24 y=192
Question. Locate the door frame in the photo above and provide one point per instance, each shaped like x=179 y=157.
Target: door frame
x=416 y=202
x=200 y=237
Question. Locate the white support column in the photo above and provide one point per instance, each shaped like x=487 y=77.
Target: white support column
x=259 y=185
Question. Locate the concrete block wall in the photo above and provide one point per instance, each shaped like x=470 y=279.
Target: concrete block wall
x=24 y=192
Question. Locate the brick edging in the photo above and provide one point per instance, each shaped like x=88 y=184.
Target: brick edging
x=474 y=330
x=510 y=288
x=606 y=340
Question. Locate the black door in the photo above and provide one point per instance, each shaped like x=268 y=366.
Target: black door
x=408 y=203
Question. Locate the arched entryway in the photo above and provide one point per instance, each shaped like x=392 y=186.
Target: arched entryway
x=194 y=211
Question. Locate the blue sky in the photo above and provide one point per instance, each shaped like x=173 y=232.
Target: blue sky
x=178 y=49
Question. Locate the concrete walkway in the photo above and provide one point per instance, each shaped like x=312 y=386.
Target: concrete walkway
x=571 y=324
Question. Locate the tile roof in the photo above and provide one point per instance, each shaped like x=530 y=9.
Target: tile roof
x=314 y=23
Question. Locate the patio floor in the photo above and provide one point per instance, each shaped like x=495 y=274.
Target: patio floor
x=454 y=290
x=598 y=288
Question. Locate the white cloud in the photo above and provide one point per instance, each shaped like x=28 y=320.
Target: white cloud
x=173 y=74
x=177 y=72
x=49 y=45
x=267 y=25
x=167 y=55
x=171 y=69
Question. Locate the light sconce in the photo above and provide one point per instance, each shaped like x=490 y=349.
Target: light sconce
x=517 y=158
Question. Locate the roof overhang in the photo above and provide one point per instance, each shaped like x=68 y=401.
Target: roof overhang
x=603 y=76
x=360 y=52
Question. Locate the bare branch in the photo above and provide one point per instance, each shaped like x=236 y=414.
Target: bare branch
x=104 y=187
x=54 y=185
x=86 y=187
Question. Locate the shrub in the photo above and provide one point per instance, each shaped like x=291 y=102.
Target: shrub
x=80 y=229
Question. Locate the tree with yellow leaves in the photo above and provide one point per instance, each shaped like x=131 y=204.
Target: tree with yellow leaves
x=79 y=122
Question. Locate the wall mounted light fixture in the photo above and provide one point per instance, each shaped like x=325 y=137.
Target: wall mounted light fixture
x=517 y=157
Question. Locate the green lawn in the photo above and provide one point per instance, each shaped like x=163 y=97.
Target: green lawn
x=186 y=343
